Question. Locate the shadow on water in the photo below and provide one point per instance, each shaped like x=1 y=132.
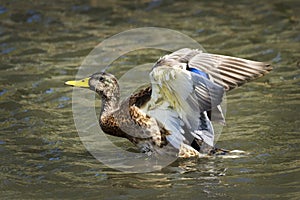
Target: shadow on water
x=43 y=43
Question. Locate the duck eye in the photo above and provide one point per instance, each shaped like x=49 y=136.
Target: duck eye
x=101 y=79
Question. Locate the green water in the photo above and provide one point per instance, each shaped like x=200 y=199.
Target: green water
x=42 y=43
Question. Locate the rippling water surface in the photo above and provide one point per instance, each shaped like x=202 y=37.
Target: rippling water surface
x=42 y=43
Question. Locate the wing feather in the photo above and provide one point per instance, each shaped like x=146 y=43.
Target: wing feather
x=188 y=93
x=230 y=72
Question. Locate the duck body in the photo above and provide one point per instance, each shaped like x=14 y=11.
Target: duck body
x=126 y=119
x=173 y=115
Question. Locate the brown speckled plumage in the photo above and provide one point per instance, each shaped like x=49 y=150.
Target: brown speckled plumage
x=126 y=120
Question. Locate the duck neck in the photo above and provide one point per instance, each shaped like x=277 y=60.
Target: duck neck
x=109 y=105
x=107 y=118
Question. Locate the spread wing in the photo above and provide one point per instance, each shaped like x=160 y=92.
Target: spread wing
x=229 y=72
x=188 y=84
x=178 y=79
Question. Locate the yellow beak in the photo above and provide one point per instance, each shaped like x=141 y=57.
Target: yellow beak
x=84 y=83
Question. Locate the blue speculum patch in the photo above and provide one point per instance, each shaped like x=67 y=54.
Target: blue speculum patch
x=197 y=71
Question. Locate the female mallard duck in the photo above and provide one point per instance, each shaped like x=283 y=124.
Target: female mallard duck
x=174 y=114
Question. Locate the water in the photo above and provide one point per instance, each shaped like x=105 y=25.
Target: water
x=43 y=43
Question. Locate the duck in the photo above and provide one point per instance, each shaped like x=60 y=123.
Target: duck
x=174 y=114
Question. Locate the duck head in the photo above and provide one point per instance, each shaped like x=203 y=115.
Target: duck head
x=104 y=84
